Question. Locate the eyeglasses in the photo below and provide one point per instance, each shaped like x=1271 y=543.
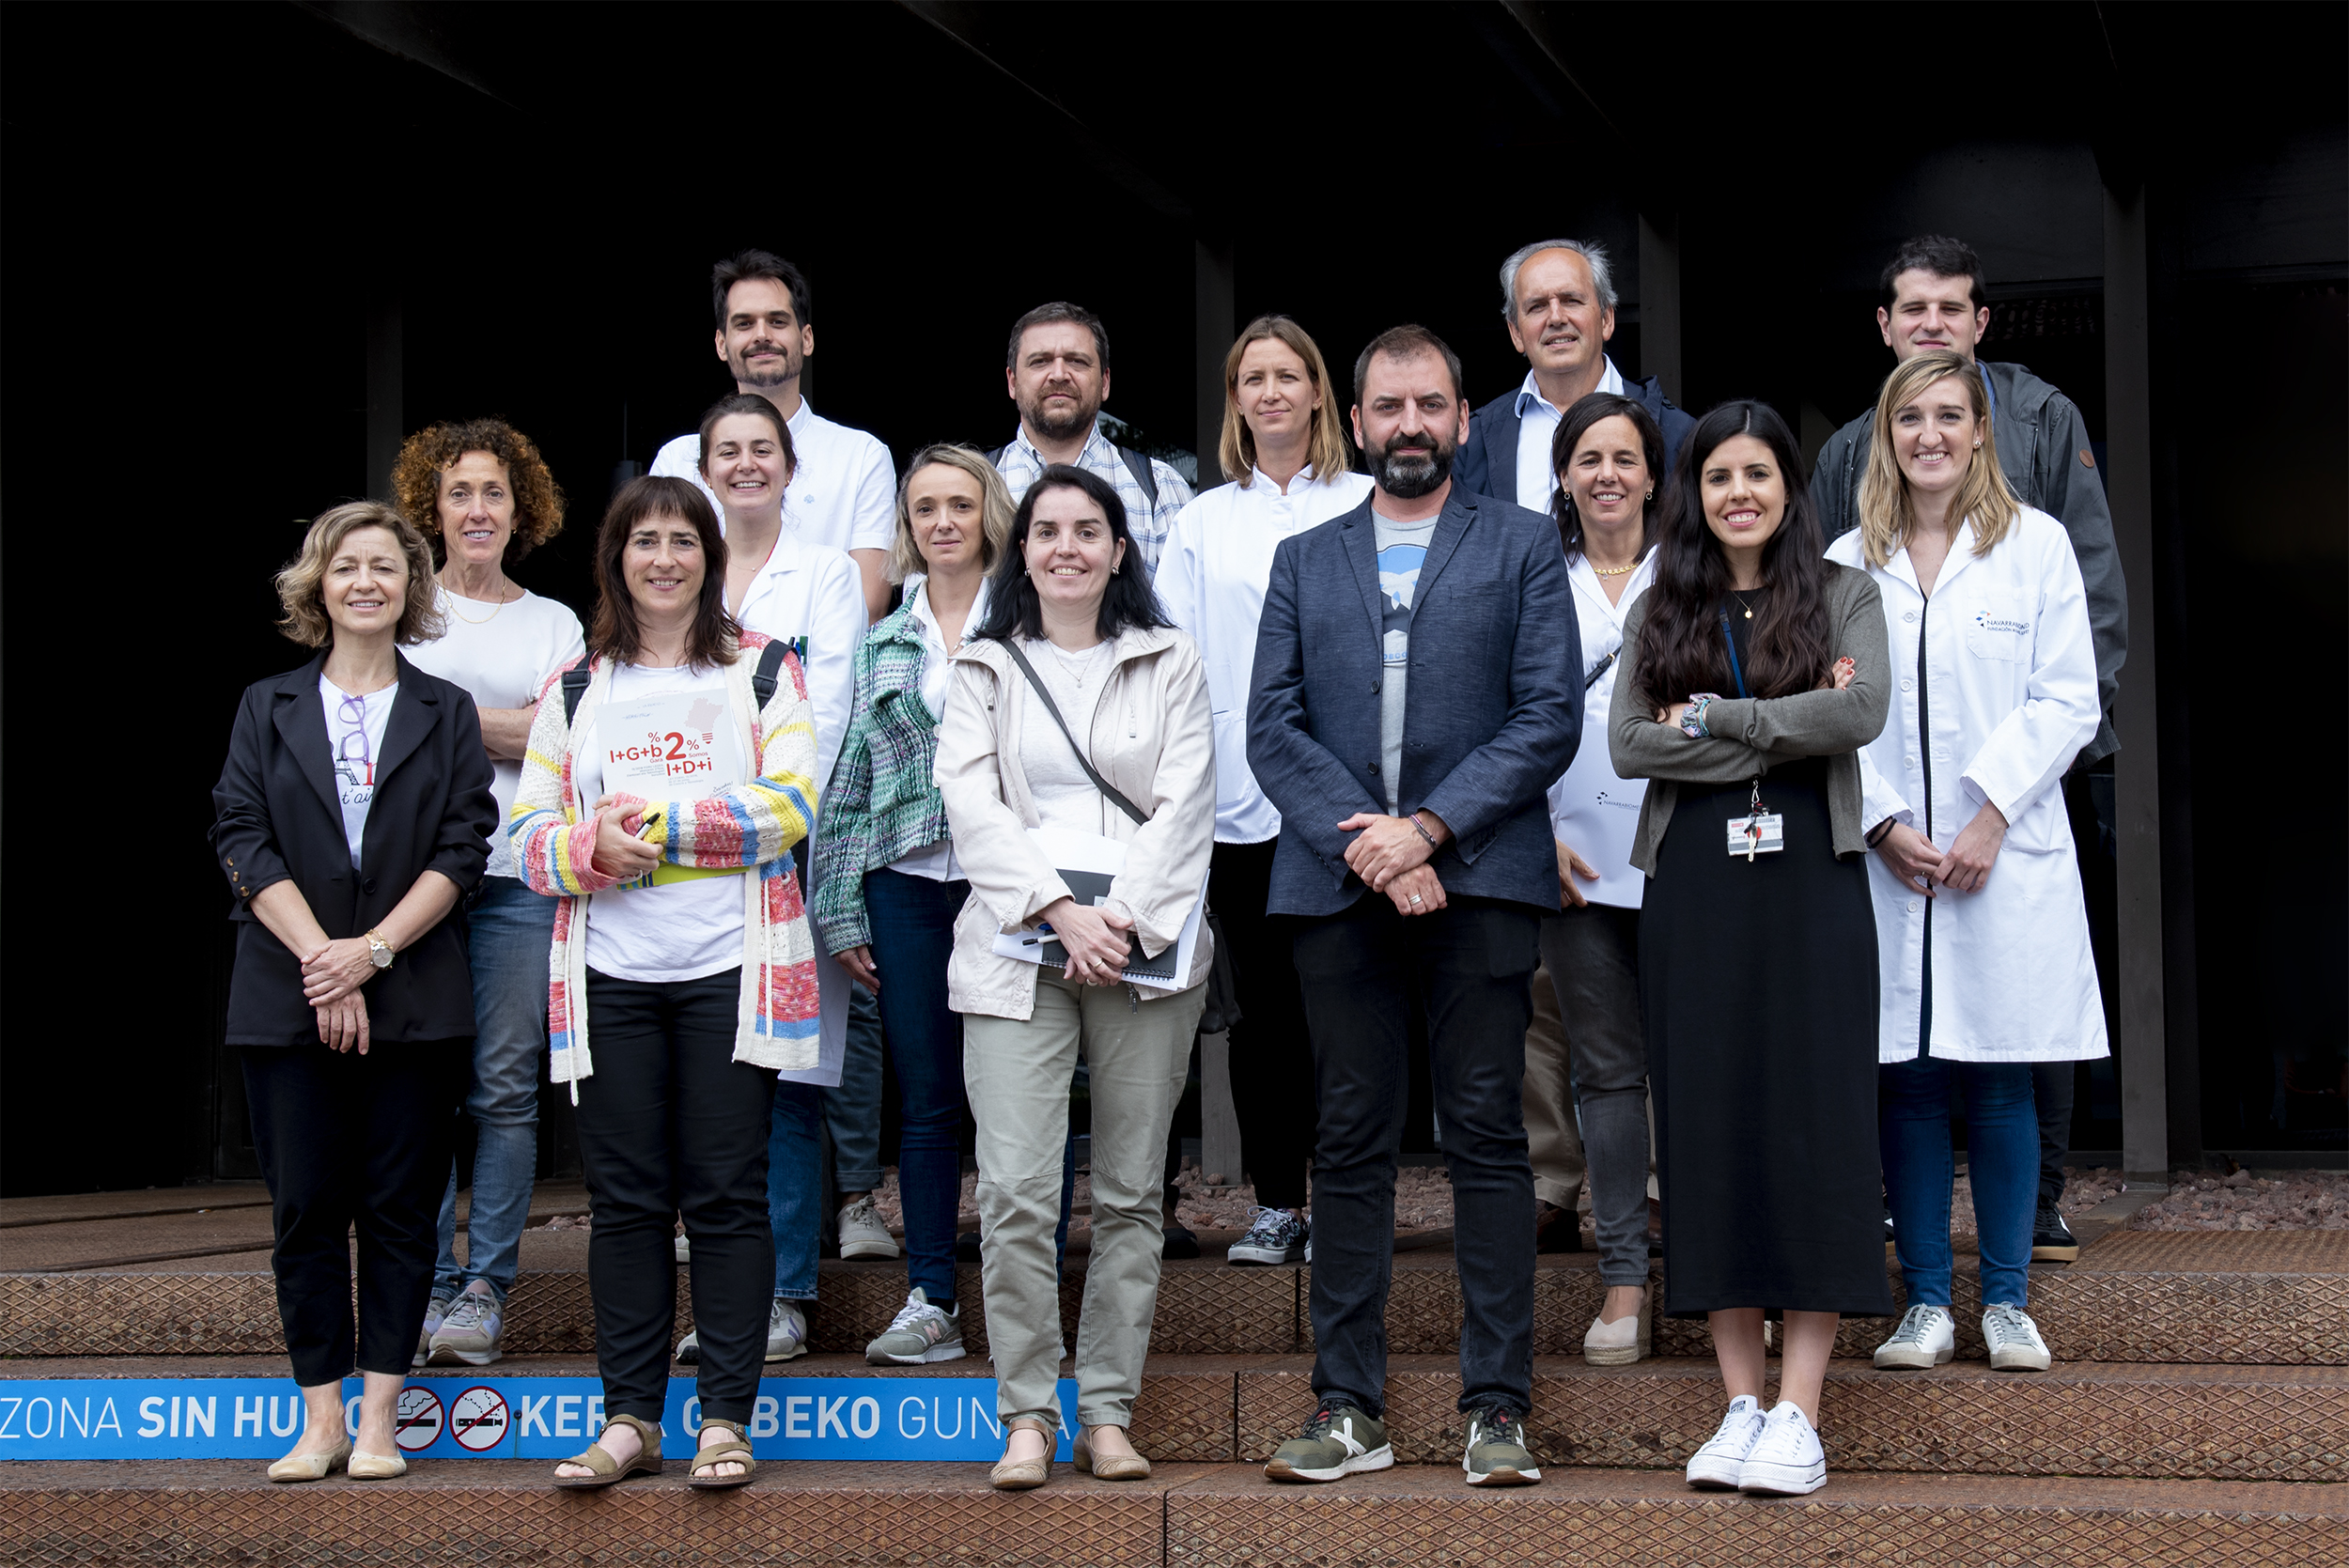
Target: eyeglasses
x=353 y=712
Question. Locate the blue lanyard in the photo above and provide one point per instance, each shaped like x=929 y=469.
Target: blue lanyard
x=1734 y=673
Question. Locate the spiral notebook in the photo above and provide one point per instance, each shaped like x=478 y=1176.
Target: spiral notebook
x=1089 y=862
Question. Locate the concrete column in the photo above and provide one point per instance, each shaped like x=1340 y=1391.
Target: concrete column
x=1660 y=303
x=2142 y=1046
x=1213 y=327
x=1219 y=1123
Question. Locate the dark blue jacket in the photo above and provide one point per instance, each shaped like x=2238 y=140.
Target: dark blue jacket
x=1487 y=461
x=1494 y=707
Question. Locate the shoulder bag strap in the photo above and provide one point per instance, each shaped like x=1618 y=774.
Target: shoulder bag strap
x=575 y=681
x=769 y=671
x=1138 y=464
x=1083 y=761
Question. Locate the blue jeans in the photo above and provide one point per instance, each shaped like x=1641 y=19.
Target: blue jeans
x=795 y=1187
x=913 y=934
x=2002 y=1157
x=512 y=932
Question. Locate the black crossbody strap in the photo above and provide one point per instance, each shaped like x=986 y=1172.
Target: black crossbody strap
x=1083 y=761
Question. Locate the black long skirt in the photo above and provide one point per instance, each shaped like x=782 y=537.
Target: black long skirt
x=1758 y=987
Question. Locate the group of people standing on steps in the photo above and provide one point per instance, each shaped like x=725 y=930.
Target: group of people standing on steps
x=1572 y=739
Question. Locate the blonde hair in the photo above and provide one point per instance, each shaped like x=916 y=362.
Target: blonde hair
x=995 y=507
x=1237 y=452
x=305 y=619
x=1886 y=518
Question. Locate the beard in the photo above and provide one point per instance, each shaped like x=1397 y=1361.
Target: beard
x=1058 y=426
x=1413 y=474
x=745 y=376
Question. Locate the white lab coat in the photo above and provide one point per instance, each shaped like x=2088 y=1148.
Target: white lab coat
x=1211 y=578
x=811 y=591
x=2007 y=682
x=1594 y=811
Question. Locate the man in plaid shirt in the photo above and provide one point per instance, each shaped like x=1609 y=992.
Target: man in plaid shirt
x=1057 y=370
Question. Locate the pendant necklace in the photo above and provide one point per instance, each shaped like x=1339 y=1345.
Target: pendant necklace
x=1741 y=600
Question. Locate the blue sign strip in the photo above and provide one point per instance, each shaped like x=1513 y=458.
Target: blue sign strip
x=873 y=1418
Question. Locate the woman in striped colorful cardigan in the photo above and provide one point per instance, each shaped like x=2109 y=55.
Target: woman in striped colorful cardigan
x=660 y=802
x=888 y=886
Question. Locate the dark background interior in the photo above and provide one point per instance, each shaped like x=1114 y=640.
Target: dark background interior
x=206 y=207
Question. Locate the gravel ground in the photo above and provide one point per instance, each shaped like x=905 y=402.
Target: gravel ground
x=2200 y=1201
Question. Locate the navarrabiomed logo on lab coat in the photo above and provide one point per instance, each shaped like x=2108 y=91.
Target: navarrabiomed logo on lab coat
x=1988 y=621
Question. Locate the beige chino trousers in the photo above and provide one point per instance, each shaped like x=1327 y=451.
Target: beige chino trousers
x=1017 y=1072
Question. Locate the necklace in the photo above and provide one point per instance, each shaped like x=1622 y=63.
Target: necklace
x=452 y=596
x=1079 y=666
x=1614 y=572
x=1741 y=599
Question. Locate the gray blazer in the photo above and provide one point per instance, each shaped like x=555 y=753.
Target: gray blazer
x=1751 y=735
x=1494 y=706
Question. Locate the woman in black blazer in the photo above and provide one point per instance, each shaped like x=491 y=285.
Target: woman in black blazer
x=353 y=814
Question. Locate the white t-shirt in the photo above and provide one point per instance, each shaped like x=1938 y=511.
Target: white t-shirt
x=680 y=930
x=1065 y=795
x=936 y=862
x=354 y=733
x=842 y=494
x=502 y=653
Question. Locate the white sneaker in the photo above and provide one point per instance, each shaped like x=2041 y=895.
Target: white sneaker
x=862 y=1232
x=1717 y=1465
x=921 y=1332
x=787 y=1331
x=434 y=1311
x=1786 y=1460
x=2014 y=1340
x=684 y=1248
x=1927 y=1337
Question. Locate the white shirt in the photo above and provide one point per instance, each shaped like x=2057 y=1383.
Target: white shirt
x=936 y=862
x=356 y=738
x=1992 y=707
x=1592 y=810
x=1064 y=794
x=842 y=494
x=811 y=591
x=1538 y=419
x=504 y=654
x=679 y=930
x=1211 y=579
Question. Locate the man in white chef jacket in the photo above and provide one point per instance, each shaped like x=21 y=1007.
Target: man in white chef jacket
x=844 y=487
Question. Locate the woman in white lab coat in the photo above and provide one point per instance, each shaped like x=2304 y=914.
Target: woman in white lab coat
x=1608 y=457
x=809 y=596
x=1980 y=931
x=1285 y=441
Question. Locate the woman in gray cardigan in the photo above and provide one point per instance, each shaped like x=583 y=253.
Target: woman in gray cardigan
x=1756 y=671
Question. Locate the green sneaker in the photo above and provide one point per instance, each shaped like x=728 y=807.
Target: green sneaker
x=1338 y=1441
x=1497 y=1455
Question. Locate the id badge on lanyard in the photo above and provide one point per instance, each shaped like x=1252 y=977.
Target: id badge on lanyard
x=1761 y=831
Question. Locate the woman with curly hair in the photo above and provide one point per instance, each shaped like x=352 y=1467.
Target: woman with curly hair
x=351 y=816
x=481 y=495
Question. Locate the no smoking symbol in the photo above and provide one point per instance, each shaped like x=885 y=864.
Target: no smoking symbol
x=477 y=1419
x=419 y=1420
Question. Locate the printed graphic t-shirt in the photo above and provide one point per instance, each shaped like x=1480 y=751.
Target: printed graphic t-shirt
x=677 y=930
x=354 y=727
x=1402 y=549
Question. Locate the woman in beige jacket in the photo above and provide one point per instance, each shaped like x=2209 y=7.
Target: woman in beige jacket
x=1075 y=647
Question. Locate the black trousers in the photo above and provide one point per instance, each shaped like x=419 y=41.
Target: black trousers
x=347 y=1141
x=1271 y=1053
x=1472 y=964
x=670 y=1124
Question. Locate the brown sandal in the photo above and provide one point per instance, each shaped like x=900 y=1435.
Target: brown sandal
x=1024 y=1475
x=734 y=1452
x=610 y=1471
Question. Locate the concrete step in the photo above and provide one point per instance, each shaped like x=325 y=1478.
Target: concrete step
x=2251 y=1298
x=2079 y=1418
x=811 y=1515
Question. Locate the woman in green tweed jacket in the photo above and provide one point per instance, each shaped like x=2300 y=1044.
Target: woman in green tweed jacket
x=888 y=888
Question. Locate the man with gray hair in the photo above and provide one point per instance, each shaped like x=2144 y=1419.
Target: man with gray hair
x=1559 y=299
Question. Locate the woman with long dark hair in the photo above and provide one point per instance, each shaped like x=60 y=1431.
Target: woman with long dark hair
x=1756 y=670
x=1077 y=717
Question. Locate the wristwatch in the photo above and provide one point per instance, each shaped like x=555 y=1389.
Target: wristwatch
x=379 y=950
